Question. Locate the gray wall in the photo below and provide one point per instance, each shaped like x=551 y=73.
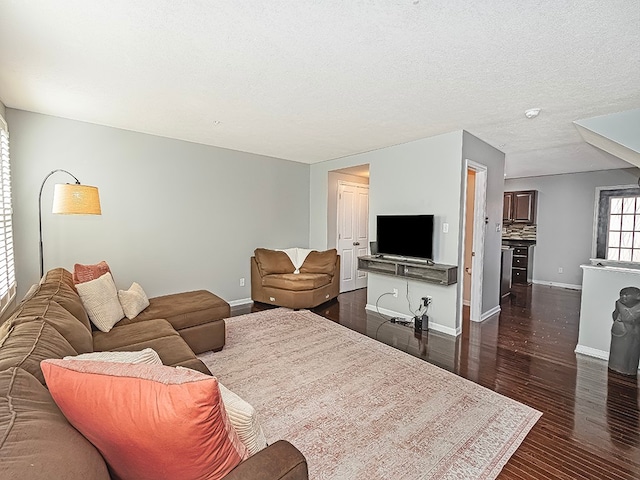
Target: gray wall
x=424 y=176
x=480 y=152
x=565 y=220
x=176 y=215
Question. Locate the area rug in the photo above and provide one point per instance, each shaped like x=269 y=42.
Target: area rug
x=359 y=409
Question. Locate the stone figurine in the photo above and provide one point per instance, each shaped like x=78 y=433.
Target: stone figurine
x=624 y=354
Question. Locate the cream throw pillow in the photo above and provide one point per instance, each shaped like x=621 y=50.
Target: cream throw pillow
x=133 y=301
x=147 y=356
x=100 y=300
x=244 y=419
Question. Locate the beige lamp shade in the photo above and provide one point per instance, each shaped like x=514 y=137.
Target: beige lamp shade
x=76 y=199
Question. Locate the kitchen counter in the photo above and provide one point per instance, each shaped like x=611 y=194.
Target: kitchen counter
x=514 y=242
x=522 y=263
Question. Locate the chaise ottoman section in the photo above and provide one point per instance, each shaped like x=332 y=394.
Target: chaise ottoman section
x=157 y=334
x=198 y=317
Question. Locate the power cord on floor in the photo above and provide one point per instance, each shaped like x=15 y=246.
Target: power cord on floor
x=386 y=320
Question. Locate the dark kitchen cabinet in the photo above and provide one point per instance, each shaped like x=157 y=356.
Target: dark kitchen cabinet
x=507 y=211
x=520 y=207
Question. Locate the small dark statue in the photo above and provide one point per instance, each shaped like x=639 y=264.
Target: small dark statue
x=624 y=355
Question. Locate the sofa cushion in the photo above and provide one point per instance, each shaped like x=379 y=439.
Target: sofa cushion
x=36 y=440
x=195 y=364
x=156 y=334
x=57 y=285
x=296 y=282
x=59 y=318
x=273 y=261
x=132 y=334
x=133 y=301
x=86 y=273
x=320 y=262
x=186 y=435
x=100 y=299
x=25 y=345
x=59 y=276
x=185 y=310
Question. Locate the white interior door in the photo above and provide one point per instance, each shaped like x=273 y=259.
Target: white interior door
x=353 y=233
x=479 y=226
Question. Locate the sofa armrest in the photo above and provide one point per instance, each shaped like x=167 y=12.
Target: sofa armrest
x=279 y=461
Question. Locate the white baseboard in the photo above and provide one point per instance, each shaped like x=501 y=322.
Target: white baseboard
x=557 y=284
x=242 y=301
x=592 y=352
x=436 y=327
x=490 y=313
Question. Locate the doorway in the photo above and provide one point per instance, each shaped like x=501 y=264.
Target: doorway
x=348 y=221
x=353 y=233
x=474 y=238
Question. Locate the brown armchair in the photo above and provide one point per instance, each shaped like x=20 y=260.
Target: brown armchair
x=273 y=280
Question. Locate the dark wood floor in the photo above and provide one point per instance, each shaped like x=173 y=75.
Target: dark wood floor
x=590 y=427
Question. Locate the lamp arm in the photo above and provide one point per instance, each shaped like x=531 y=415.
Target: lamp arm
x=40 y=212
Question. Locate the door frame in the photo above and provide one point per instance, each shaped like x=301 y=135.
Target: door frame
x=338 y=219
x=479 y=231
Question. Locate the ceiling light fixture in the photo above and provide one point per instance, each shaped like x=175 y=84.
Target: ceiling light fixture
x=532 y=112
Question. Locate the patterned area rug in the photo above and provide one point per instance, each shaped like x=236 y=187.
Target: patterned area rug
x=359 y=409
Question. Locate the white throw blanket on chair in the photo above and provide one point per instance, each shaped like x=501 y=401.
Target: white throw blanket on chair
x=297 y=256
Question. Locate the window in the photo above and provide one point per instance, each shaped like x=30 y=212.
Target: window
x=623 y=241
x=7 y=267
x=618 y=224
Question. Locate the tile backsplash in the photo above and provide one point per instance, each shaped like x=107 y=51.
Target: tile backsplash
x=519 y=232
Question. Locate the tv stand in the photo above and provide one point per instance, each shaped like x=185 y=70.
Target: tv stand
x=398 y=258
x=410 y=269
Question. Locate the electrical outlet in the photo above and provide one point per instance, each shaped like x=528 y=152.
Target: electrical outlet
x=242 y=282
x=560 y=270
x=445 y=228
x=395 y=292
x=426 y=300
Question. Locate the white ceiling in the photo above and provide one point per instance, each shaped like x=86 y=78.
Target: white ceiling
x=318 y=80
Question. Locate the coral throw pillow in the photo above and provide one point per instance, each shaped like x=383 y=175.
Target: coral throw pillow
x=148 y=421
x=86 y=273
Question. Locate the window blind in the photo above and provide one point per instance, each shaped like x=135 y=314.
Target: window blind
x=7 y=265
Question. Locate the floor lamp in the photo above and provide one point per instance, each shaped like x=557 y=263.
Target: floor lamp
x=69 y=199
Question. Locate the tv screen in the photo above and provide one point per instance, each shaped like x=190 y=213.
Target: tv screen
x=405 y=235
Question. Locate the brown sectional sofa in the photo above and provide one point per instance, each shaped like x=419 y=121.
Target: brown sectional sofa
x=36 y=441
x=273 y=280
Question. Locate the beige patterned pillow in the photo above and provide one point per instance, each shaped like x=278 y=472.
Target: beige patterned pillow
x=244 y=420
x=147 y=356
x=100 y=300
x=133 y=301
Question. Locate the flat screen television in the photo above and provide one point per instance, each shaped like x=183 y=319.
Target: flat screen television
x=405 y=236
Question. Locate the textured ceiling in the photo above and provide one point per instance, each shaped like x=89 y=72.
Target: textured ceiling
x=313 y=81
